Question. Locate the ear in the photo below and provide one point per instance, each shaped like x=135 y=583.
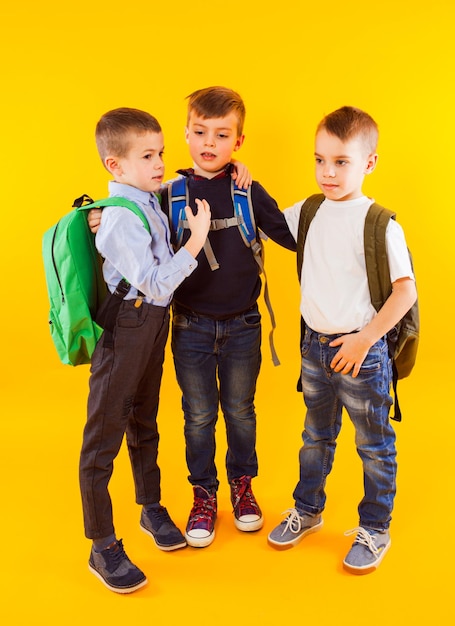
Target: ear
x=113 y=166
x=187 y=132
x=371 y=163
x=239 y=142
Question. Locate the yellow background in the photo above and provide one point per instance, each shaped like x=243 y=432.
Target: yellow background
x=62 y=66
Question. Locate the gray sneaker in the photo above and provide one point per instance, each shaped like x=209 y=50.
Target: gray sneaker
x=296 y=525
x=115 y=570
x=157 y=523
x=368 y=549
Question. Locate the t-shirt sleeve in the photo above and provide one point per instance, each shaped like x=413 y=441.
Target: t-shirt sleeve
x=397 y=251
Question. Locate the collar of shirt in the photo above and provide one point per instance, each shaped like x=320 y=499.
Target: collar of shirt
x=132 y=193
x=227 y=171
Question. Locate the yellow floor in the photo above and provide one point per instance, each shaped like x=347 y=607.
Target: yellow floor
x=239 y=579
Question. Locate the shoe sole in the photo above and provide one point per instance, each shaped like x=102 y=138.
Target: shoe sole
x=164 y=548
x=247 y=527
x=135 y=587
x=366 y=569
x=199 y=542
x=294 y=542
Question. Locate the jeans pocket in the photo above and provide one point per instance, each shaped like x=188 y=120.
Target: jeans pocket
x=252 y=318
x=306 y=343
x=180 y=320
x=373 y=361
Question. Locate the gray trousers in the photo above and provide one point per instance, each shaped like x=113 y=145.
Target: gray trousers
x=125 y=381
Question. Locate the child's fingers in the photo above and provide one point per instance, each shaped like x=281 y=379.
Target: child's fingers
x=202 y=205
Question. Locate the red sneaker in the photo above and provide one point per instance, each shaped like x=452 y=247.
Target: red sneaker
x=247 y=514
x=200 y=530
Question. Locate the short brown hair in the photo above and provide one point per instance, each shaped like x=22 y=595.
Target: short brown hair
x=349 y=122
x=214 y=102
x=113 y=130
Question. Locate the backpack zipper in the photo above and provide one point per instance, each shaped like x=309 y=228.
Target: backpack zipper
x=55 y=265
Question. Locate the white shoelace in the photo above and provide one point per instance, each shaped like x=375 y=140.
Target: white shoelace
x=364 y=538
x=293 y=522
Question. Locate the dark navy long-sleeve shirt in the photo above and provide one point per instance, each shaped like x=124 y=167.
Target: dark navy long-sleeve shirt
x=236 y=285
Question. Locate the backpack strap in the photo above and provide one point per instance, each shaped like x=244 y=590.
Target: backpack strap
x=378 y=273
x=114 y=201
x=123 y=286
x=376 y=259
x=178 y=199
x=307 y=212
x=243 y=209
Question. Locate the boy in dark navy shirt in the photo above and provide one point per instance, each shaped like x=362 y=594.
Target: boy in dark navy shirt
x=216 y=335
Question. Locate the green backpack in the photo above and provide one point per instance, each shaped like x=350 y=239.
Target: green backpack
x=74 y=278
x=403 y=339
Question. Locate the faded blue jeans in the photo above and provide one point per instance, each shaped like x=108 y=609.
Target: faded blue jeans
x=217 y=362
x=367 y=401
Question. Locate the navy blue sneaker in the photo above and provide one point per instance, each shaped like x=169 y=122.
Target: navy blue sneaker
x=115 y=570
x=157 y=523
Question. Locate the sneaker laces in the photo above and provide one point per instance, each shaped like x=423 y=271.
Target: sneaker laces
x=202 y=508
x=241 y=489
x=293 y=522
x=364 y=538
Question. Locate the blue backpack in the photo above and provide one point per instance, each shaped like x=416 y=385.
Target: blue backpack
x=243 y=219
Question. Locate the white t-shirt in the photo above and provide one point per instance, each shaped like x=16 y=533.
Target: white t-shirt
x=334 y=287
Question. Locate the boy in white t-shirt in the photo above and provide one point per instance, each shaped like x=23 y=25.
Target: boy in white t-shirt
x=345 y=361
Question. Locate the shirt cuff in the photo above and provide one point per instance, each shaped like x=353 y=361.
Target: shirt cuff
x=185 y=261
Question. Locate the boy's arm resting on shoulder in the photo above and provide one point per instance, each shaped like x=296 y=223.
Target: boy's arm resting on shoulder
x=241 y=174
x=355 y=346
x=270 y=219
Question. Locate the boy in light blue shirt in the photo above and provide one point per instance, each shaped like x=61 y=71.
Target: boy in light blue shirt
x=127 y=363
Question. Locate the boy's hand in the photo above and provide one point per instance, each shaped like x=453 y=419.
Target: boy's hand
x=351 y=355
x=199 y=225
x=241 y=175
x=94 y=219
x=354 y=347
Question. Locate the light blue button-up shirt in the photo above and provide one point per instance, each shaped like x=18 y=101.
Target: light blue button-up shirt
x=146 y=260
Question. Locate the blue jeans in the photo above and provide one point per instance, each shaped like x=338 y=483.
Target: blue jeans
x=217 y=362
x=367 y=401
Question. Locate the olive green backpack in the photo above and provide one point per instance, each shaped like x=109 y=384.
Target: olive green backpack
x=403 y=339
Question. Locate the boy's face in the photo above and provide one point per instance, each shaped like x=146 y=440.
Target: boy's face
x=341 y=165
x=212 y=142
x=143 y=166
